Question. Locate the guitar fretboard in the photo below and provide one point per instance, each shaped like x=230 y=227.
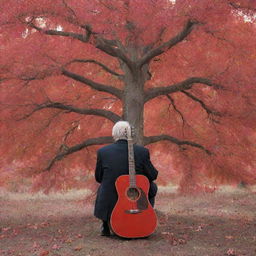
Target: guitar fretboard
x=132 y=173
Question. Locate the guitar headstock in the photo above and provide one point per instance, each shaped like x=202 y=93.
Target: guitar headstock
x=132 y=131
x=129 y=132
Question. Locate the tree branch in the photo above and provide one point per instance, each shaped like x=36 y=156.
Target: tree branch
x=176 y=109
x=169 y=44
x=184 y=85
x=154 y=139
x=111 y=47
x=236 y=5
x=92 y=84
x=71 y=11
x=97 y=63
x=97 y=112
x=150 y=46
x=65 y=151
x=81 y=37
x=74 y=126
x=208 y=110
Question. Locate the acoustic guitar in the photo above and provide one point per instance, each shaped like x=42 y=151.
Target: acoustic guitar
x=133 y=215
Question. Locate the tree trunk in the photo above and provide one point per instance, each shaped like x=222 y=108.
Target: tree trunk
x=133 y=97
x=133 y=108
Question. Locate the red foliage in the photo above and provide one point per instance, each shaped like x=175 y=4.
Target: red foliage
x=221 y=48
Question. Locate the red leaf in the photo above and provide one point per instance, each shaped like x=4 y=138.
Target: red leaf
x=78 y=248
x=36 y=245
x=231 y=252
x=56 y=247
x=44 y=253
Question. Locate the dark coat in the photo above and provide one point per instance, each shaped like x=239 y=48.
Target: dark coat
x=112 y=161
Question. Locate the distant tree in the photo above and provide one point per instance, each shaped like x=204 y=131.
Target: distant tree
x=181 y=72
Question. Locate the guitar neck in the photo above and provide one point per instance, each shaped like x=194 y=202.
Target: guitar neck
x=131 y=162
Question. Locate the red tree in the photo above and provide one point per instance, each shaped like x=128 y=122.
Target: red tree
x=181 y=72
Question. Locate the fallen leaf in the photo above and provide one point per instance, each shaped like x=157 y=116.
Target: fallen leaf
x=56 y=247
x=78 y=248
x=182 y=241
x=36 y=245
x=45 y=224
x=231 y=252
x=15 y=232
x=69 y=241
x=35 y=226
x=174 y=242
x=6 y=229
x=44 y=253
x=199 y=228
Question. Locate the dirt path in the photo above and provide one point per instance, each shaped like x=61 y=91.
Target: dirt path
x=208 y=225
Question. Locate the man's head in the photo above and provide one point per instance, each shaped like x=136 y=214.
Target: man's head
x=120 y=129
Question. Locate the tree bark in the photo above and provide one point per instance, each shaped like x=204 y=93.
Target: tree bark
x=133 y=96
x=133 y=109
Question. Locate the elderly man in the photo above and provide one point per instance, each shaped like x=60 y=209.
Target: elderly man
x=112 y=161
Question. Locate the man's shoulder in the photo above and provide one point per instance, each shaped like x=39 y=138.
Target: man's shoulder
x=140 y=148
x=106 y=148
x=137 y=148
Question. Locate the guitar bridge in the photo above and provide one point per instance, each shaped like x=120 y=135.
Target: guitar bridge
x=133 y=211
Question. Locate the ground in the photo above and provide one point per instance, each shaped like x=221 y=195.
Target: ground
x=209 y=224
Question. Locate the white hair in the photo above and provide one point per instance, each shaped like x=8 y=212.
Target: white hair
x=120 y=129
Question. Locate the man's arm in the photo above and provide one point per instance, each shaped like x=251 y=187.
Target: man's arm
x=98 y=170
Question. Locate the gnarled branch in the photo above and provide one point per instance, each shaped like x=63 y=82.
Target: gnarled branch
x=112 y=48
x=169 y=44
x=97 y=63
x=236 y=5
x=208 y=110
x=65 y=151
x=184 y=85
x=92 y=84
x=154 y=139
x=81 y=37
x=84 y=111
x=176 y=109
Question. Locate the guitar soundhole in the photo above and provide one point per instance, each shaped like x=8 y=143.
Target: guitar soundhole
x=133 y=193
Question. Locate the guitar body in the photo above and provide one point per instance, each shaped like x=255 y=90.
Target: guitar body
x=133 y=215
